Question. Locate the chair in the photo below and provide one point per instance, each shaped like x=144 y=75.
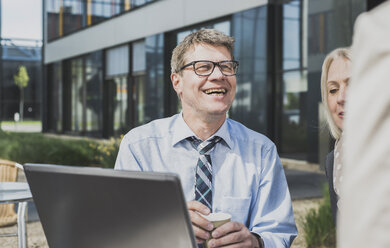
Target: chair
x=8 y=216
x=8 y=173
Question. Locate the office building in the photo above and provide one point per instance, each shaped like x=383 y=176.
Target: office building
x=107 y=63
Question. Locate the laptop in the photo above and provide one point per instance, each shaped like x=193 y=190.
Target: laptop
x=82 y=207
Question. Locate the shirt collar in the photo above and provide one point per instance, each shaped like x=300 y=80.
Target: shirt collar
x=182 y=131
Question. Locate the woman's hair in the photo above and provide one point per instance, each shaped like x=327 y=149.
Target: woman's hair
x=203 y=36
x=345 y=53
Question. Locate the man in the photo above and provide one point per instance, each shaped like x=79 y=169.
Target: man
x=365 y=207
x=223 y=166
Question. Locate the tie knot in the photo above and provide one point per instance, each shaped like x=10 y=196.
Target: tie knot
x=203 y=147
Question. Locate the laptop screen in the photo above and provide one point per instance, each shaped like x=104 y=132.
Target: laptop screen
x=94 y=207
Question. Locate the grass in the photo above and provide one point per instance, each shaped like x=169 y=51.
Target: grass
x=37 y=148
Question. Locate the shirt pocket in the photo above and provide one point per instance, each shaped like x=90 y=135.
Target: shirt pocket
x=238 y=207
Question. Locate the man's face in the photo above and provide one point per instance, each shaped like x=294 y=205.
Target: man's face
x=206 y=96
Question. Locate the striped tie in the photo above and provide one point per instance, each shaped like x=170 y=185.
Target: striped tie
x=204 y=170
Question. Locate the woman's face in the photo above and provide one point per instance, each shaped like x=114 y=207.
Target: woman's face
x=338 y=78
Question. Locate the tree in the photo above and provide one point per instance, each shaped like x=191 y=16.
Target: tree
x=21 y=80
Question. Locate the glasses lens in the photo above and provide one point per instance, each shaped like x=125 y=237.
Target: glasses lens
x=228 y=68
x=203 y=68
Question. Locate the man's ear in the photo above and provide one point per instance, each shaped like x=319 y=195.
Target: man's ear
x=177 y=83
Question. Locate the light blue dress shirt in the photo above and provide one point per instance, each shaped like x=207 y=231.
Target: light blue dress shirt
x=248 y=178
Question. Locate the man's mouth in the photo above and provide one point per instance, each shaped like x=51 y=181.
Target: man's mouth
x=216 y=92
x=341 y=114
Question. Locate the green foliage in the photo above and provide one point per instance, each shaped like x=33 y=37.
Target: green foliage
x=38 y=148
x=107 y=151
x=292 y=101
x=320 y=230
x=21 y=78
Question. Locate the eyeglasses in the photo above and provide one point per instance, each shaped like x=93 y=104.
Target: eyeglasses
x=206 y=67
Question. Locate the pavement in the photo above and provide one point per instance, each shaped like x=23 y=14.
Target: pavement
x=305 y=184
x=21 y=127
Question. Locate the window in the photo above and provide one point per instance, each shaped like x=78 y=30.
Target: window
x=55 y=97
x=250 y=33
x=117 y=69
x=138 y=60
x=293 y=123
x=86 y=94
x=67 y=16
x=77 y=95
x=94 y=92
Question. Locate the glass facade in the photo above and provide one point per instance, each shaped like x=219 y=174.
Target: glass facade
x=120 y=105
x=293 y=128
x=291 y=35
x=85 y=110
x=67 y=16
x=55 y=97
x=77 y=96
x=94 y=92
x=294 y=121
x=223 y=26
x=138 y=82
x=140 y=95
x=250 y=32
x=154 y=78
x=117 y=72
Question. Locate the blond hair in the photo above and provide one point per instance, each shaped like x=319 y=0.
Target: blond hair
x=202 y=36
x=345 y=53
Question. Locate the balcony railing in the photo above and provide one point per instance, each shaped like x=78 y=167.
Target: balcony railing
x=68 y=16
x=21 y=49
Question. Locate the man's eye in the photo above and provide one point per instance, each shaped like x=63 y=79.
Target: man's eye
x=204 y=67
x=227 y=67
x=332 y=91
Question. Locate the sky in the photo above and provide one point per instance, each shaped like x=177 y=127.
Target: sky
x=21 y=19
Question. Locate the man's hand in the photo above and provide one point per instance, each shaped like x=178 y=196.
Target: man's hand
x=200 y=225
x=233 y=235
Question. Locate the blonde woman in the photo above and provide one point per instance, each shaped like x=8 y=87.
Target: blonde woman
x=336 y=72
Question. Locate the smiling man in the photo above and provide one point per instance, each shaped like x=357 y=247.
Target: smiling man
x=223 y=166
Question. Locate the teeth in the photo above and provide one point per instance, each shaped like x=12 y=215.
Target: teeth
x=215 y=91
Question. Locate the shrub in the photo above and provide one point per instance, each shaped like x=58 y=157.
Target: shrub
x=107 y=151
x=320 y=231
x=38 y=148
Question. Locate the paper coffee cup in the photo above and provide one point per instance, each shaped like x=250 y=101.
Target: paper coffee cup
x=218 y=219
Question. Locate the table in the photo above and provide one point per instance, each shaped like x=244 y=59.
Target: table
x=17 y=192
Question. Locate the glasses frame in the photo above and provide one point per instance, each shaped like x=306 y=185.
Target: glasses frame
x=214 y=64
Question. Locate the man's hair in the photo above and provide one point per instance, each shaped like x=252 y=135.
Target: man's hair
x=203 y=36
x=337 y=53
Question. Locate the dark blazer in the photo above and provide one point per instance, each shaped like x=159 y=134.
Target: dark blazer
x=329 y=175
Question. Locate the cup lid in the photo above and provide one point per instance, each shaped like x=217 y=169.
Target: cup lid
x=217 y=216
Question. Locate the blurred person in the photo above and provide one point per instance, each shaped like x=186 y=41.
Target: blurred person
x=364 y=219
x=223 y=166
x=336 y=72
